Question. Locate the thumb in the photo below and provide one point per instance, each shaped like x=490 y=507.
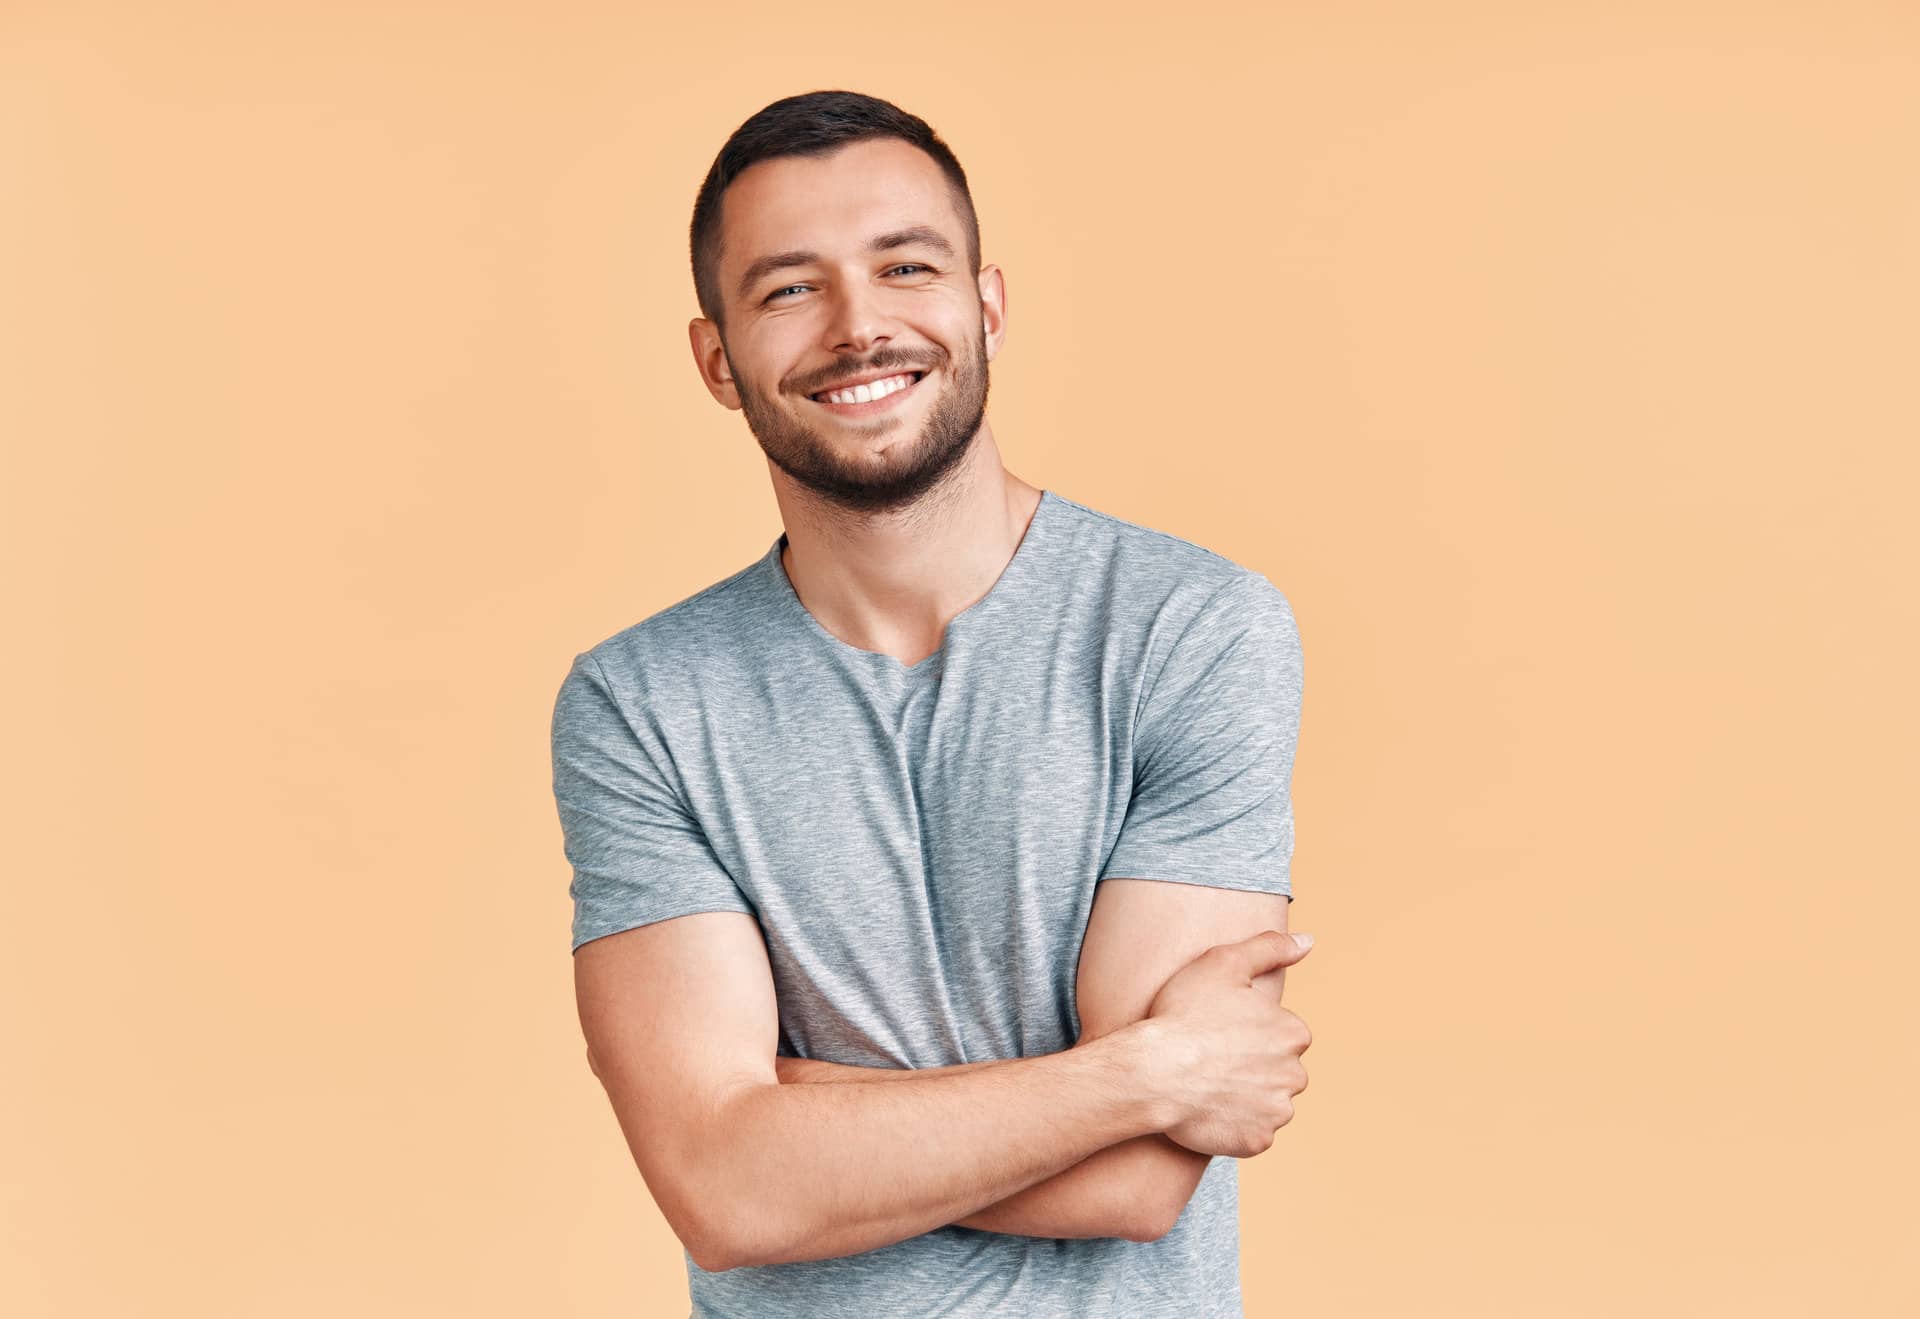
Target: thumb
x=1270 y=949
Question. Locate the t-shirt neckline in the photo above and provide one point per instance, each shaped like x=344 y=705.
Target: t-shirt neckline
x=1004 y=588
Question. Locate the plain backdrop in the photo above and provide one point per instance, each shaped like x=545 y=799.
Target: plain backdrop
x=1557 y=362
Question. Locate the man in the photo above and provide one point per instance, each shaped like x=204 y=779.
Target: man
x=930 y=873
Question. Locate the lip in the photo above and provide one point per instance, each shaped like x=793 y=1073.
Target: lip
x=875 y=405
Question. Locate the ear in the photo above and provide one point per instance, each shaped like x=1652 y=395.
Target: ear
x=993 y=308
x=710 y=356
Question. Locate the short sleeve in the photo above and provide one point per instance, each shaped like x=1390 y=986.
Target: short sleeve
x=638 y=855
x=1213 y=750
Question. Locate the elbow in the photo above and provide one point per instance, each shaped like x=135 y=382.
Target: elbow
x=717 y=1253
x=722 y=1229
x=702 y=1234
x=705 y=1260
x=724 y=1214
x=1139 y=1208
x=721 y=1256
x=725 y=1224
x=722 y=1238
x=1162 y=1193
x=1152 y=1219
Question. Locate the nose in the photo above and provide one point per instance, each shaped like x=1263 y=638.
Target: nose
x=858 y=320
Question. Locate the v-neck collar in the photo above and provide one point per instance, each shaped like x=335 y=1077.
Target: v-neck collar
x=1004 y=588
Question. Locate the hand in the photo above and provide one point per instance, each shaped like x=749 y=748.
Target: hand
x=1233 y=1052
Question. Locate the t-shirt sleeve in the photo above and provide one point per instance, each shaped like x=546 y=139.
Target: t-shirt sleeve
x=1213 y=750
x=638 y=854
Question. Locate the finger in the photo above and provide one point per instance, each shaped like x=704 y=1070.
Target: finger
x=1269 y=949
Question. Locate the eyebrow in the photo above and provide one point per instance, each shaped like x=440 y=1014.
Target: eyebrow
x=924 y=235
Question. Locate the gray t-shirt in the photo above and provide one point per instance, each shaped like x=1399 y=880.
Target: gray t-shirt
x=921 y=844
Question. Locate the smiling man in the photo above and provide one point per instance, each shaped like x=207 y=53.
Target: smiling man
x=929 y=872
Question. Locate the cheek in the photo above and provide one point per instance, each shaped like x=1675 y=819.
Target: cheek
x=770 y=352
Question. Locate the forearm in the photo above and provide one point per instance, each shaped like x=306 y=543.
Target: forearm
x=1100 y=1196
x=813 y=1071
x=800 y=1172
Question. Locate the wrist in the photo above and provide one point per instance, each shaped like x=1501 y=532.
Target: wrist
x=1144 y=1052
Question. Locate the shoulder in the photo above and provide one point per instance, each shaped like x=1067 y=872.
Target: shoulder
x=1144 y=553
x=657 y=661
x=1169 y=584
x=697 y=632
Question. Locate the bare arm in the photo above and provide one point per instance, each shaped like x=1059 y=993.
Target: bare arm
x=1111 y=1193
x=682 y=1024
x=1139 y=933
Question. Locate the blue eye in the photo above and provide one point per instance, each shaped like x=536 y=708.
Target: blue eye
x=909 y=265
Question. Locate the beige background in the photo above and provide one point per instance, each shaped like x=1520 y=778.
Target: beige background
x=1559 y=366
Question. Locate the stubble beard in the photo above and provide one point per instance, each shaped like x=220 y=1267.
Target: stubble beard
x=911 y=467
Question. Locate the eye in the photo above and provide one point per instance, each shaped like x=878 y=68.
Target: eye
x=908 y=265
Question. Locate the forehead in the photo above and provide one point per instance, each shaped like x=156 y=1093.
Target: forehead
x=833 y=204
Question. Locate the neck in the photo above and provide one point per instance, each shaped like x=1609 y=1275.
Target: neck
x=892 y=582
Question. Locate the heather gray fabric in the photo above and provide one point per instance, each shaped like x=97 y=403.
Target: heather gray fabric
x=921 y=846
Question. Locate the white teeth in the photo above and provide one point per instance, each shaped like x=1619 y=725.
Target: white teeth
x=868 y=392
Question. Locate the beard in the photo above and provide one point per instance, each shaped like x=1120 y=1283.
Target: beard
x=824 y=464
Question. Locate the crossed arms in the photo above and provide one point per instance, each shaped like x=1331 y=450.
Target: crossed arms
x=757 y=1159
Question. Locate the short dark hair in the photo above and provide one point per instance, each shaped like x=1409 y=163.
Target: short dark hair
x=810 y=124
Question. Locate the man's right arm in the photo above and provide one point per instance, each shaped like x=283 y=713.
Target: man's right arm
x=682 y=1027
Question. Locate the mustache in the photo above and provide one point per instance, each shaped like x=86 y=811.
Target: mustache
x=886 y=364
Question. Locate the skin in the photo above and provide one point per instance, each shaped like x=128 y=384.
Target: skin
x=898 y=522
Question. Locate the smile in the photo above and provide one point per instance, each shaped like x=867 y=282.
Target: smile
x=863 y=400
